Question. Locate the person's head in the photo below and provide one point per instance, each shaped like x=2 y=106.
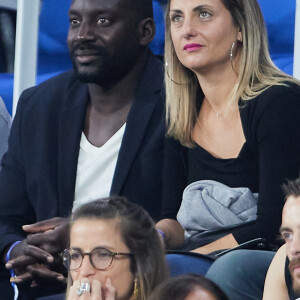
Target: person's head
x=188 y=287
x=216 y=36
x=203 y=33
x=107 y=37
x=116 y=225
x=290 y=229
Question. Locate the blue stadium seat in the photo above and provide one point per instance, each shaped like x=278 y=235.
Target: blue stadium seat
x=183 y=262
x=280 y=22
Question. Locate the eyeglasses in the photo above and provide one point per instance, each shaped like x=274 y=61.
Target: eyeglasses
x=100 y=258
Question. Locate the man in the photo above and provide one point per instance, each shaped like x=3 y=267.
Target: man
x=4 y=127
x=93 y=132
x=283 y=277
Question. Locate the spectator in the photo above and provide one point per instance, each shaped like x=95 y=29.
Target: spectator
x=233 y=120
x=188 y=287
x=282 y=281
x=89 y=133
x=101 y=229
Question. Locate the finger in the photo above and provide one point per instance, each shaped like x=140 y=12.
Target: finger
x=43 y=226
x=38 y=253
x=41 y=272
x=41 y=239
x=72 y=293
x=52 y=241
x=110 y=290
x=21 y=278
x=96 y=290
x=20 y=262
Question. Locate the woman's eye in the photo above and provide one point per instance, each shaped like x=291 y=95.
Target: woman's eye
x=75 y=256
x=176 y=18
x=204 y=14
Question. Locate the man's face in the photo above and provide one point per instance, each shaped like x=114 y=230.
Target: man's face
x=103 y=39
x=290 y=231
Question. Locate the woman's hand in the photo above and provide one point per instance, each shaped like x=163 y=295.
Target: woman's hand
x=97 y=291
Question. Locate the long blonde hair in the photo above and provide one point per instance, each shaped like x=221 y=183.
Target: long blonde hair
x=256 y=73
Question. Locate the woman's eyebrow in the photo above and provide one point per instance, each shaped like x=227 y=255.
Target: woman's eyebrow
x=176 y=10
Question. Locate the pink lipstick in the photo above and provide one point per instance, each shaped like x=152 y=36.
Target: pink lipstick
x=192 y=47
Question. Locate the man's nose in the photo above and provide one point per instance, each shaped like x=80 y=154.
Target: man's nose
x=295 y=245
x=84 y=32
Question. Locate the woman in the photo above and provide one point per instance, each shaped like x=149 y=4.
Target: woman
x=188 y=287
x=115 y=252
x=233 y=117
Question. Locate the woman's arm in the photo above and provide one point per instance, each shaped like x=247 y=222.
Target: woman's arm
x=174 y=182
x=173 y=233
x=275 y=286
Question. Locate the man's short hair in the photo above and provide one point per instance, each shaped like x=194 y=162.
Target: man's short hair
x=143 y=9
x=292 y=188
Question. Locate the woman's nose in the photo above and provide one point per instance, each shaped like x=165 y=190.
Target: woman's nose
x=86 y=268
x=188 y=29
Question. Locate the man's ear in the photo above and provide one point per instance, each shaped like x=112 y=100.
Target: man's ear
x=146 y=31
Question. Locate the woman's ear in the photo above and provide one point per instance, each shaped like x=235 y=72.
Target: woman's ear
x=146 y=31
x=240 y=36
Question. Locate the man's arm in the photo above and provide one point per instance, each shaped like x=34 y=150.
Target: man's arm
x=38 y=253
x=275 y=286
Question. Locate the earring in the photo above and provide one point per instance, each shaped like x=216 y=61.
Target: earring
x=231 y=57
x=231 y=50
x=135 y=290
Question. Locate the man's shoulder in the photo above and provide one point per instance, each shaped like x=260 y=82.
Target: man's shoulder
x=49 y=93
x=59 y=82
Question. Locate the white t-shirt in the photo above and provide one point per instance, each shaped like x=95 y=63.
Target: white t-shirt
x=95 y=168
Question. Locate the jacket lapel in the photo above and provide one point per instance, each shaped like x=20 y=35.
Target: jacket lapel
x=147 y=95
x=70 y=129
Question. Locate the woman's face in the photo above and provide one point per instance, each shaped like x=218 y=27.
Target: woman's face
x=88 y=234
x=202 y=32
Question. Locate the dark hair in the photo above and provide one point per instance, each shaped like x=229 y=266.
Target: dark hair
x=138 y=233
x=292 y=188
x=178 y=288
x=142 y=8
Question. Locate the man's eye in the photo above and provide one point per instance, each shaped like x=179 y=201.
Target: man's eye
x=286 y=235
x=74 y=22
x=103 y=21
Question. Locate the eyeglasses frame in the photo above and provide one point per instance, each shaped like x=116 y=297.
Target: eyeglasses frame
x=83 y=254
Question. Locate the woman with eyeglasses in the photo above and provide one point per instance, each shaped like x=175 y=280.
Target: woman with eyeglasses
x=115 y=252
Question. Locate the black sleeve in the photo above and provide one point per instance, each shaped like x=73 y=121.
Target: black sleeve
x=174 y=179
x=276 y=131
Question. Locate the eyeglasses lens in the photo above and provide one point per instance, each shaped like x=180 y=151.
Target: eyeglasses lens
x=101 y=258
